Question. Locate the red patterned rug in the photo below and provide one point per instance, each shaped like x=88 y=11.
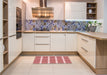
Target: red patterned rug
x=52 y=60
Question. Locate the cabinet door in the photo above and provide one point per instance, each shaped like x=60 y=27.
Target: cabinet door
x=1 y=55
x=75 y=10
x=28 y=42
x=12 y=17
x=58 y=42
x=71 y=42
x=12 y=48
x=19 y=45
x=1 y=10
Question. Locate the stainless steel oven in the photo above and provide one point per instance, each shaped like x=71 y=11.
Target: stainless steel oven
x=18 y=23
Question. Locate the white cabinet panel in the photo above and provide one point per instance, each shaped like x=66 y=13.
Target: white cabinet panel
x=28 y=42
x=1 y=55
x=58 y=42
x=12 y=17
x=19 y=45
x=42 y=42
x=71 y=42
x=92 y=52
x=75 y=10
x=42 y=34
x=87 y=48
x=40 y=47
x=1 y=61
x=12 y=48
x=1 y=16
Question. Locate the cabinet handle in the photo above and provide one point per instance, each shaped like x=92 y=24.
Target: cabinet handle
x=42 y=44
x=12 y=35
x=84 y=49
x=42 y=36
x=85 y=40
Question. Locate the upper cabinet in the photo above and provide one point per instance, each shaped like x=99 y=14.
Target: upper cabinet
x=75 y=10
x=1 y=10
x=12 y=17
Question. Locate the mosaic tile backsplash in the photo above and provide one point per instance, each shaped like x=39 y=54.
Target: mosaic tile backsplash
x=48 y=25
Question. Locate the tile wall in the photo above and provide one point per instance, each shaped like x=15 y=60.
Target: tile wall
x=48 y=25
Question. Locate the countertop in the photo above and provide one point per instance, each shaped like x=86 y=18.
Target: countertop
x=96 y=35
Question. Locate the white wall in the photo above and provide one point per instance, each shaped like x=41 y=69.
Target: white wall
x=29 y=5
x=19 y=3
x=58 y=8
x=57 y=4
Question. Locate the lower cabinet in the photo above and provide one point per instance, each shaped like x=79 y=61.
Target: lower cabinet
x=87 y=49
x=42 y=42
x=1 y=55
x=49 y=42
x=12 y=48
x=58 y=41
x=19 y=45
x=71 y=42
x=28 y=42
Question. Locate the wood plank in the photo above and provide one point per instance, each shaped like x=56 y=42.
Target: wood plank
x=91 y=67
x=101 y=57
x=49 y=53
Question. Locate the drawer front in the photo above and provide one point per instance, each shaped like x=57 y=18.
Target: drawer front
x=84 y=40
x=42 y=34
x=42 y=40
x=42 y=47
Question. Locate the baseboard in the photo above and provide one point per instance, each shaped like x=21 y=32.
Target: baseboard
x=91 y=67
x=49 y=53
x=101 y=71
x=10 y=64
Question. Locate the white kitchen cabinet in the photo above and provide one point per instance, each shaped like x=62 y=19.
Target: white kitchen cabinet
x=28 y=42
x=58 y=41
x=87 y=48
x=19 y=45
x=75 y=10
x=12 y=17
x=12 y=48
x=1 y=16
x=71 y=42
x=1 y=55
x=42 y=42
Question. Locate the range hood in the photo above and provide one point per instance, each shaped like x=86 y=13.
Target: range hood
x=43 y=11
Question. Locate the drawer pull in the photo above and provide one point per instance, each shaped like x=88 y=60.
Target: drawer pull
x=42 y=36
x=84 y=49
x=84 y=40
x=42 y=44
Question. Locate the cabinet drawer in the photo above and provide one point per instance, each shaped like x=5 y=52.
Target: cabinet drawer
x=42 y=40
x=42 y=47
x=84 y=39
x=42 y=34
